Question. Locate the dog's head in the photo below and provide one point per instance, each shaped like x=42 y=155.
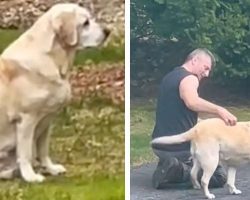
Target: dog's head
x=75 y=27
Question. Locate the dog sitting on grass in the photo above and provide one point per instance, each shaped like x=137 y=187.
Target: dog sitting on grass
x=34 y=86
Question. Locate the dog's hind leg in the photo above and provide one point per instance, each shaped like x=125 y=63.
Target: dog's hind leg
x=208 y=161
x=8 y=166
x=25 y=138
x=8 y=174
x=194 y=173
x=231 y=172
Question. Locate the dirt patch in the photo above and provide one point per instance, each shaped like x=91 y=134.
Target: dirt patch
x=105 y=81
x=23 y=13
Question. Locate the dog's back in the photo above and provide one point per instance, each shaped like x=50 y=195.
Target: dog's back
x=230 y=138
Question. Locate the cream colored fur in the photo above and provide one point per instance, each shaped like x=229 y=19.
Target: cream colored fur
x=34 y=86
x=213 y=141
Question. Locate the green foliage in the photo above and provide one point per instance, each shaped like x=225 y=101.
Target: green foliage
x=140 y=23
x=219 y=25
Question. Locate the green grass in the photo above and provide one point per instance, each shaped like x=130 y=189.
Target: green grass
x=141 y=126
x=114 y=51
x=88 y=139
x=142 y=123
x=140 y=150
x=242 y=113
x=65 y=189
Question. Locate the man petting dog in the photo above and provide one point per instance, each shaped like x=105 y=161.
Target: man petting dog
x=177 y=111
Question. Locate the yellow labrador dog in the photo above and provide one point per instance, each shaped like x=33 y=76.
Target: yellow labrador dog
x=213 y=141
x=34 y=86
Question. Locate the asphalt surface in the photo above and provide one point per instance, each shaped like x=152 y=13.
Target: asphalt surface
x=141 y=188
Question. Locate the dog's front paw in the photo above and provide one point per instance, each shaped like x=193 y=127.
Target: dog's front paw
x=34 y=178
x=56 y=169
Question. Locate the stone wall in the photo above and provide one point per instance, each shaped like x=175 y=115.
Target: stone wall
x=22 y=13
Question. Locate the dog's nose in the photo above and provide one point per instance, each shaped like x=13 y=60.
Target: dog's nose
x=106 y=32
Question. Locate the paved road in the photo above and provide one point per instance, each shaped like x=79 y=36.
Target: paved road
x=141 y=189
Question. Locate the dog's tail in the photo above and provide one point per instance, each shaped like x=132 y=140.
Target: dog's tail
x=176 y=139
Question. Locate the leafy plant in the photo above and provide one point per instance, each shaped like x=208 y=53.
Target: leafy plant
x=180 y=26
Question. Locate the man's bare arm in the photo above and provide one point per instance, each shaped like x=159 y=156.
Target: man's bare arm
x=188 y=93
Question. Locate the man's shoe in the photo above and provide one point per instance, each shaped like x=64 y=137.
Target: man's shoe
x=160 y=176
x=218 y=180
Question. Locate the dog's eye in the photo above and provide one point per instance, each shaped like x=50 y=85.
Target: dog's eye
x=86 y=23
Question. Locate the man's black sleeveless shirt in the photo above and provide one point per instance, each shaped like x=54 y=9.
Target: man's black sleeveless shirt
x=172 y=115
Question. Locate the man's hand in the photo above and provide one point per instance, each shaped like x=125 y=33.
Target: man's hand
x=227 y=117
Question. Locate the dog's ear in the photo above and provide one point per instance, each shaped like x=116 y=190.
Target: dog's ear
x=65 y=27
